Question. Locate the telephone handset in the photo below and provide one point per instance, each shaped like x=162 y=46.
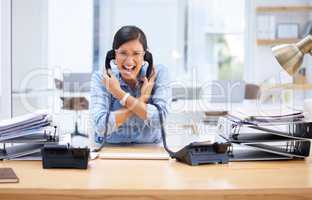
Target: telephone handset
x=147 y=57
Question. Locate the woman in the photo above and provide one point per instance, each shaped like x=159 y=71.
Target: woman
x=123 y=98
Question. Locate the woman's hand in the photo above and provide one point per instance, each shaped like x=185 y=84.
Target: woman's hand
x=147 y=86
x=112 y=85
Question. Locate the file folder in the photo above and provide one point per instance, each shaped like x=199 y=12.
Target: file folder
x=267 y=140
x=24 y=136
x=22 y=120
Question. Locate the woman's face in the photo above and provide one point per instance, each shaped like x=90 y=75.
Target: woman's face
x=129 y=59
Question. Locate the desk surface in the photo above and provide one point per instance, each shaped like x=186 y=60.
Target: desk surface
x=161 y=179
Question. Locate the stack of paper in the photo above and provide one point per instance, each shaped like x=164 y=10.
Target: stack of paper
x=26 y=134
x=282 y=135
x=266 y=117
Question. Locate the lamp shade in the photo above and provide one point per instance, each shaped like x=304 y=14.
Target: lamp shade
x=290 y=56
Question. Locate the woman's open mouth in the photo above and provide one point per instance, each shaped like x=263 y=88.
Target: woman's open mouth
x=128 y=69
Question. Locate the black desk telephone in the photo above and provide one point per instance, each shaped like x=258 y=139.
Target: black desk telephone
x=64 y=156
x=196 y=153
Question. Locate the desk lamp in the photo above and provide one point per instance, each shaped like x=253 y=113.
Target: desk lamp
x=290 y=57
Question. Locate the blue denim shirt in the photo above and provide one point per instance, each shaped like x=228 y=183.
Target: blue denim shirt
x=134 y=130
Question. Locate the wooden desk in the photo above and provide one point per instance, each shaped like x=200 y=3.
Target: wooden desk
x=151 y=179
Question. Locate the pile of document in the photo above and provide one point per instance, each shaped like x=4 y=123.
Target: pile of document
x=23 y=137
x=269 y=136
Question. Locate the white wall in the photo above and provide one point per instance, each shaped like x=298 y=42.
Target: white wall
x=250 y=44
x=5 y=49
x=70 y=35
x=49 y=34
x=29 y=55
x=48 y=38
x=29 y=44
x=281 y=2
x=1 y=24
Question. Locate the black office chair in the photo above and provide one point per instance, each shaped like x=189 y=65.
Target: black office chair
x=76 y=104
x=252 y=91
x=73 y=84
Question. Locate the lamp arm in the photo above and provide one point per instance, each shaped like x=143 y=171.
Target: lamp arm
x=305 y=45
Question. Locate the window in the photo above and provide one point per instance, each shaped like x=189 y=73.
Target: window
x=197 y=39
x=216 y=38
x=49 y=38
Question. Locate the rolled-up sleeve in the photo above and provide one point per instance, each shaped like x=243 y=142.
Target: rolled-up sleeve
x=100 y=100
x=161 y=96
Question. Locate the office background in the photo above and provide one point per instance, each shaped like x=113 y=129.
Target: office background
x=198 y=40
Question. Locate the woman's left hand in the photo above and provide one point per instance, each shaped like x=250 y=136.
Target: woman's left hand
x=147 y=86
x=112 y=84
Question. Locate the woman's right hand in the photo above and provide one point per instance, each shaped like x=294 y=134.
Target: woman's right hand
x=147 y=86
x=112 y=84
